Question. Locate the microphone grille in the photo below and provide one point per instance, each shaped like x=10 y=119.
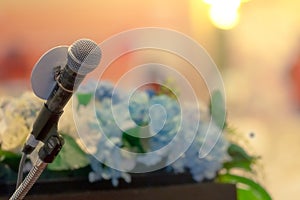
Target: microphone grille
x=83 y=56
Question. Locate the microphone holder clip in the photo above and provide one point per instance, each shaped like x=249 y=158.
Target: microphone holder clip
x=51 y=148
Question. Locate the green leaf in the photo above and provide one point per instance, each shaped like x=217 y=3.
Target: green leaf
x=70 y=157
x=217 y=109
x=132 y=141
x=237 y=153
x=84 y=99
x=245 y=184
x=239 y=159
x=245 y=165
x=246 y=194
x=11 y=159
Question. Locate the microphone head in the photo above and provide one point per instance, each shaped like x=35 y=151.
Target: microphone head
x=83 y=56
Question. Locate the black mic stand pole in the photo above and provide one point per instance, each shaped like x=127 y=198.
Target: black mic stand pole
x=47 y=154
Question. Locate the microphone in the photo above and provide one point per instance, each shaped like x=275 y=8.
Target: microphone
x=83 y=56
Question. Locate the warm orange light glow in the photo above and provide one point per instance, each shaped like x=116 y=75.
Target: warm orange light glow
x=224 y=13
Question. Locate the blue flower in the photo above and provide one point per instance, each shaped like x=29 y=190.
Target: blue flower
x=88 y=87
x=101 y=171
x=104 y=90
x=207 y=167
x=151 y=93
x=165 y=120
x=107 y=90
x=139 y=108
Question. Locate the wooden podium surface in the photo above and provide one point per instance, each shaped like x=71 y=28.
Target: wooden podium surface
x=154 y=185
x=201 y=191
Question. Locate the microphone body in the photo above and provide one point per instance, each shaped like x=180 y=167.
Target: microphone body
x=83 y=56
x=67 y=82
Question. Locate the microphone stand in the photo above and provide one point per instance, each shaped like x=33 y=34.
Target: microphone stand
x=47 y=154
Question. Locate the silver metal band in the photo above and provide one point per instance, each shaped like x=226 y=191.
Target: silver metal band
x=60 y=85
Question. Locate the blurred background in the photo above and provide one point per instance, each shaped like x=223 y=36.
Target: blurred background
x=255 y=43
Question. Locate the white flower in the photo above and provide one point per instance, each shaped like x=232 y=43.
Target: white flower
x=16 y=119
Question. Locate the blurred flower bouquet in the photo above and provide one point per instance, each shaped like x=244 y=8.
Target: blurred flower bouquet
x=120 y=133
